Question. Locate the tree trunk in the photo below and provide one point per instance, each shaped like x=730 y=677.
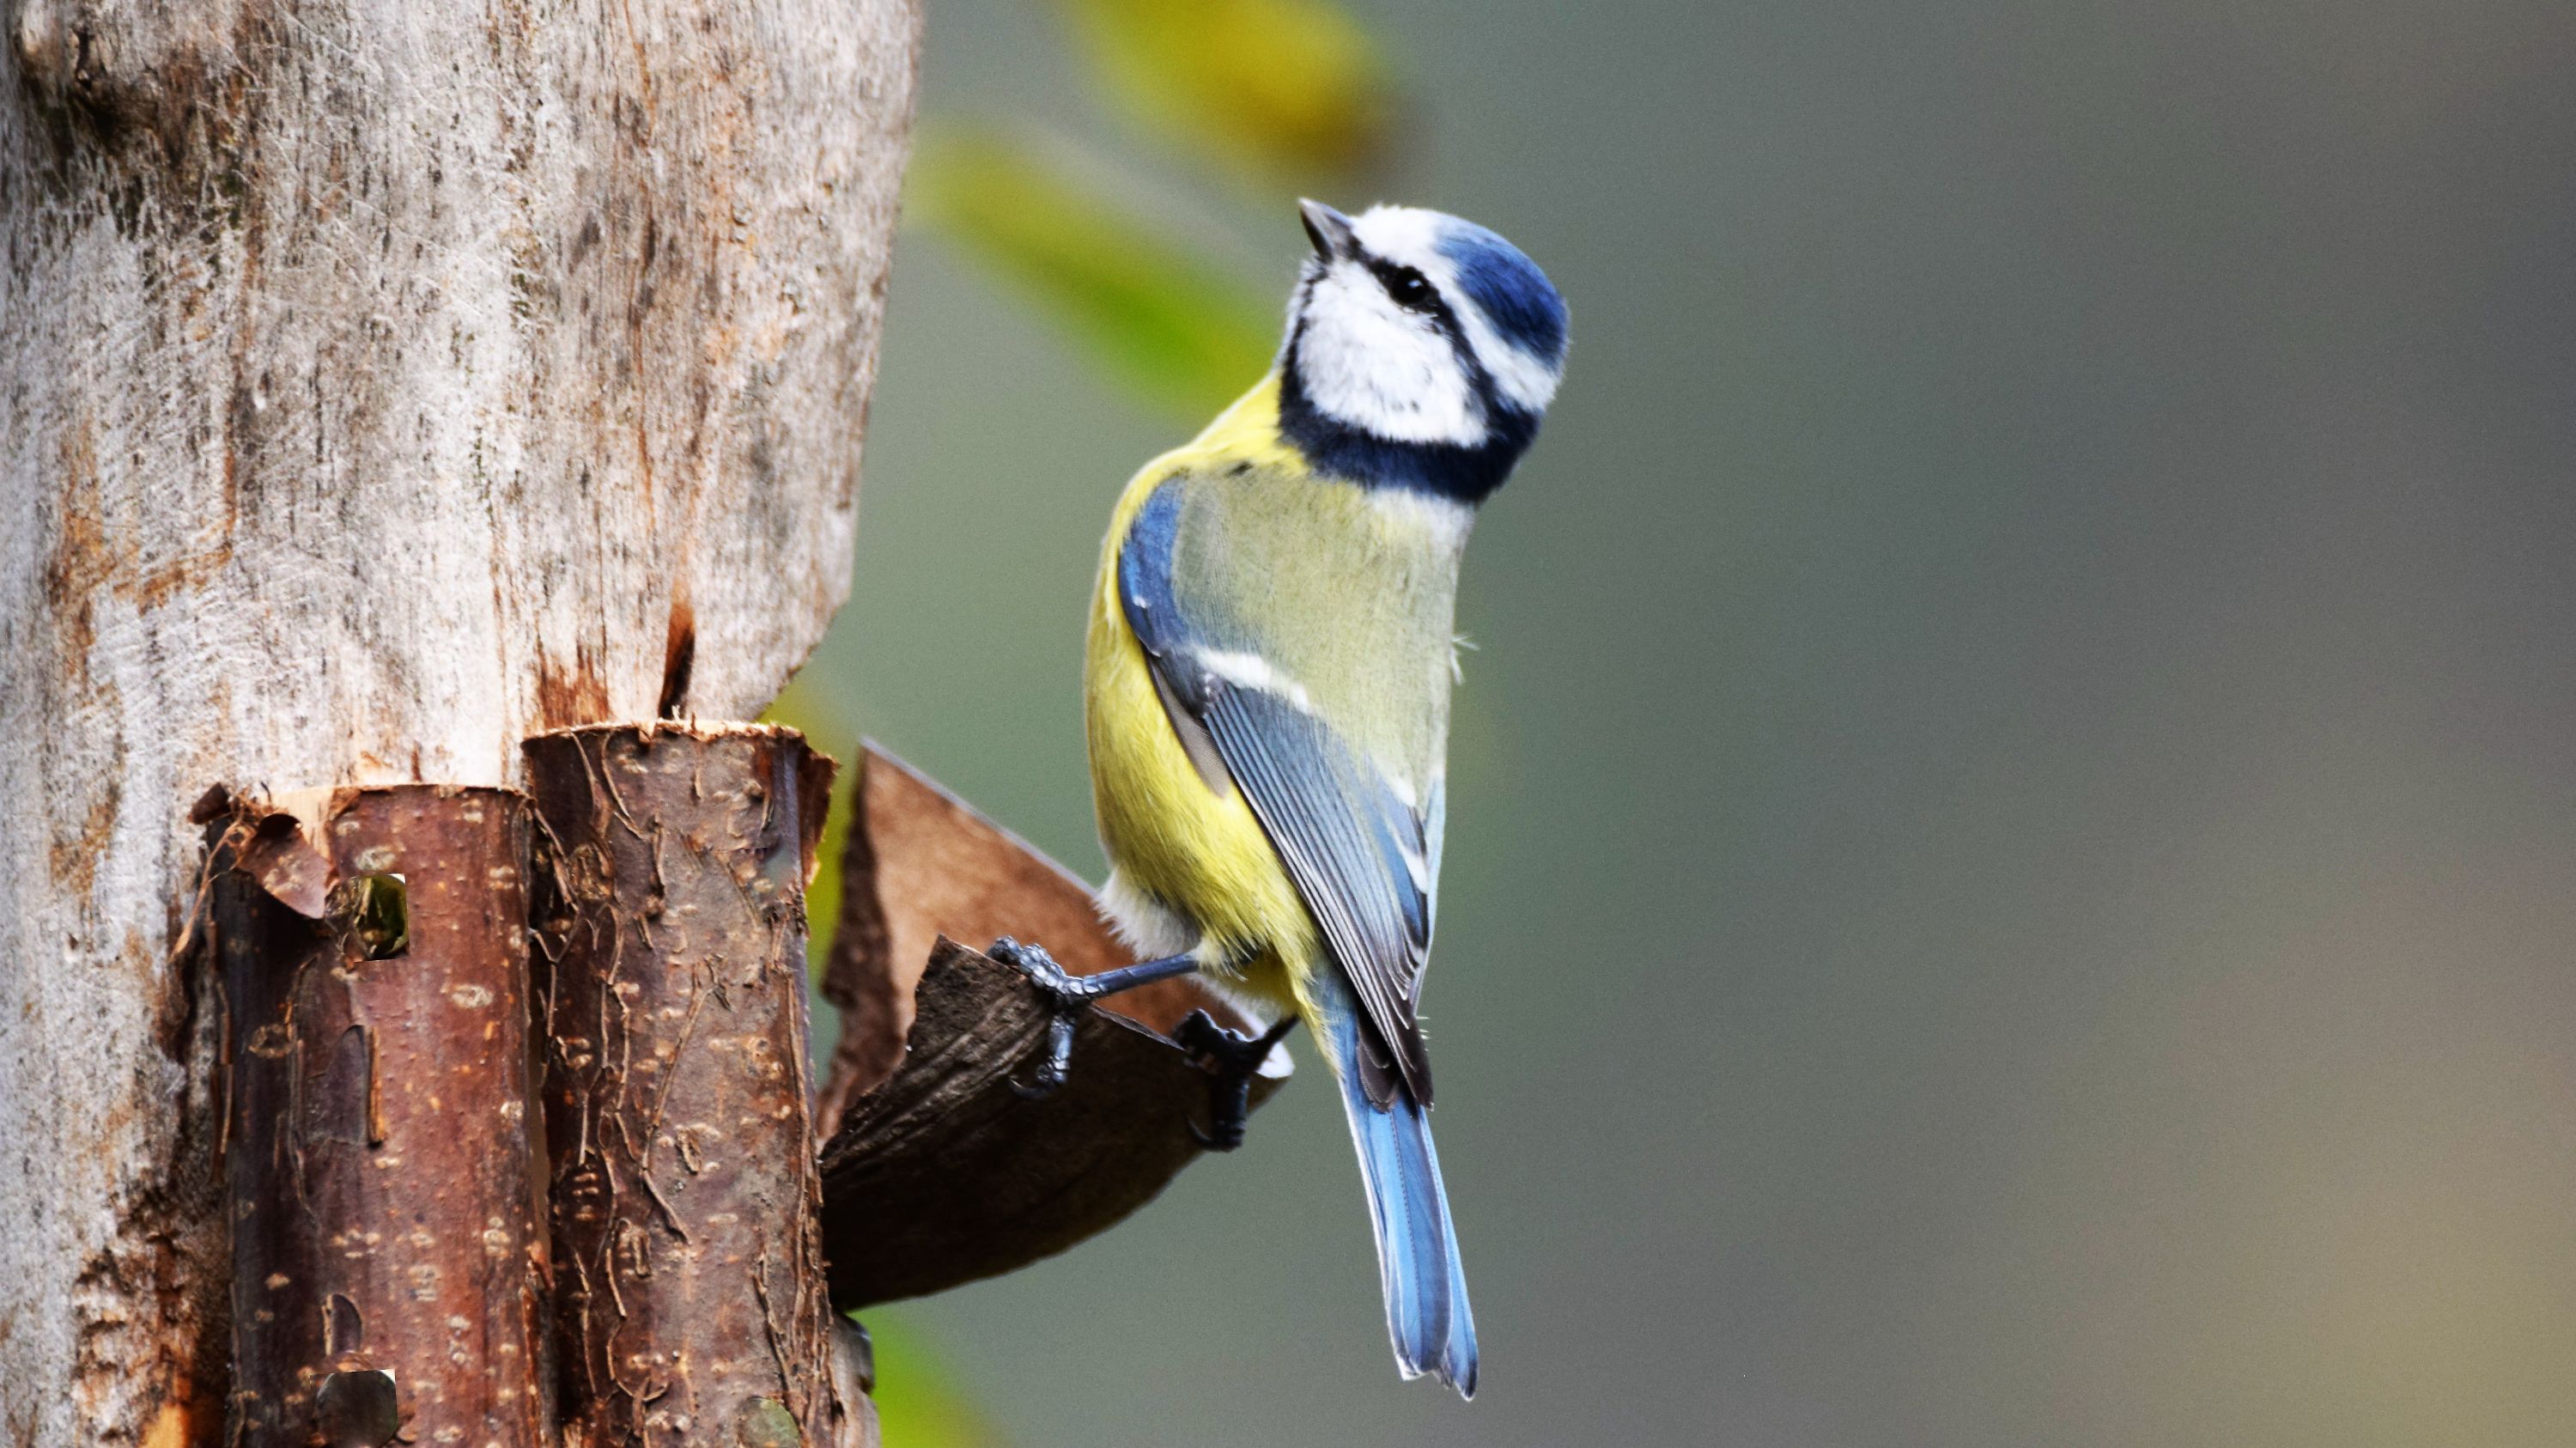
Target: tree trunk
x=384 y=384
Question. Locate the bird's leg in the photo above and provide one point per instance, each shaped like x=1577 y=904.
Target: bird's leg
x=1069 y=993
x=1230 y=1057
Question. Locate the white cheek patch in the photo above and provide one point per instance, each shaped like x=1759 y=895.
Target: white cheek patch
x=1412 y=236
x=1365 y=361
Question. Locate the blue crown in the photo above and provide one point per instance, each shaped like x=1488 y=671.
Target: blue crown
x=1509 y=288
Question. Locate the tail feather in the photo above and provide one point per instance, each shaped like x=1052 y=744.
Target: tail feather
x=1417 y=1250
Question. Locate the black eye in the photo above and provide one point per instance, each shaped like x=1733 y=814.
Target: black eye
x=1409 y=289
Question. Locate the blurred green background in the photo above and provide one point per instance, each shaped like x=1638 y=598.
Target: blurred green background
x=2011 y=827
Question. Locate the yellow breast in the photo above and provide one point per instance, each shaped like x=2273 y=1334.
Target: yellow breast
x=1190 y=864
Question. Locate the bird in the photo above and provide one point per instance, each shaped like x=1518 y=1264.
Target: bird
x=1269 y=658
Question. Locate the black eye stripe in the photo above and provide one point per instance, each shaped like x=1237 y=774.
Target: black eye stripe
x=1410 y=289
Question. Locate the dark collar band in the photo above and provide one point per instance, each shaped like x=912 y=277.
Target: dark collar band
x=1439 y=469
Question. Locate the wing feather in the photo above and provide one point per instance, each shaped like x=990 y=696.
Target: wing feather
x=1340 y=831
x=1361 y=859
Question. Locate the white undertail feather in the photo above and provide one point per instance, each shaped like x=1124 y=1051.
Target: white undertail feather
x=1150 y=931
x=1142 y=922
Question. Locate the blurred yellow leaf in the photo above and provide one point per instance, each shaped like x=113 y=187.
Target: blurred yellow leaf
x=801 y=708
x=1162 y=320
x=1291 y=86
x=918 y=1403
x=823 y=897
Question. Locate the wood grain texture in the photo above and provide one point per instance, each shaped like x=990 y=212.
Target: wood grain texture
x=921 y=864
x=937 y=1170
x=946 y=1173
x=690 y=1306
x=384 y=1188
x=378 y=384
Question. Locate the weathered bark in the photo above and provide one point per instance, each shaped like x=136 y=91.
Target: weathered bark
x=950 y=1172
x=691 y=1306
x=938 y=1170
x=382 y=383
x=389 y=1244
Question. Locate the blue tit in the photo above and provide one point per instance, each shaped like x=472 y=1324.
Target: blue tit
x=1267 y=685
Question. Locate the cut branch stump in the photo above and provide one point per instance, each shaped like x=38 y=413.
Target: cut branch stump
x=692 y=1305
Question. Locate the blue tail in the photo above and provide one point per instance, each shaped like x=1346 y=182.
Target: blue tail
x=1417 y=1252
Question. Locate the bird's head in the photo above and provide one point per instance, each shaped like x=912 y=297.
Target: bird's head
x=1413 y=329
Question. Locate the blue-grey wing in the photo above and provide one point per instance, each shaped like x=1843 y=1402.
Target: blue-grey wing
x=1362 y=859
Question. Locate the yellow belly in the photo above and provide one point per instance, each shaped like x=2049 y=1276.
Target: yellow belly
x=1178 y=845
x=1191 y=867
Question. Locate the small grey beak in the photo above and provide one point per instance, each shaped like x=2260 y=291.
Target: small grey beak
x=1330 y=230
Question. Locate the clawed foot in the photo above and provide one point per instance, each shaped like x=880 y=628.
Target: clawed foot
x=1230 y=1058
x=1067 y=994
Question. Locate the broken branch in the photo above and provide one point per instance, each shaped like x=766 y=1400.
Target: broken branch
x=922 y=863
x=948 y=1174
x=938 y=1170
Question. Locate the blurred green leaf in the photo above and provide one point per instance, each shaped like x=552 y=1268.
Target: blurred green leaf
x=918 y=1402
x=1286 y=86
x=1171 y=325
